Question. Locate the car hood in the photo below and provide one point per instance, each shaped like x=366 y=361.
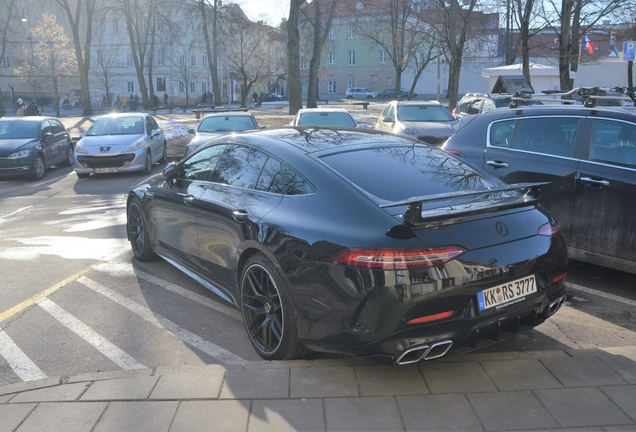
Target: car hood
x=433 y=129
x=115 y=142
x=11 y=146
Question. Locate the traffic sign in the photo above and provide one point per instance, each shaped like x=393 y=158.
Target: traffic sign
x=629 y=50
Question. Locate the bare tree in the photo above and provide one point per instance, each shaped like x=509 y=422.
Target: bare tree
x=83 y=9
x=293 y=57
x=52 y=60
x=182 y=68
x=104 y=68
x=7 y=14
x=209 y=11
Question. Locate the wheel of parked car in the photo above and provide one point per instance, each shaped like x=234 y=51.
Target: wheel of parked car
x=137 y=233
x=267 y=311
x=37 y=169
x=69 y=157
x=148 y=166
x=349 y=97
x=164 y=156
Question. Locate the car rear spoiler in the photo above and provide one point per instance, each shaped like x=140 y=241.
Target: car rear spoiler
x=414 y=214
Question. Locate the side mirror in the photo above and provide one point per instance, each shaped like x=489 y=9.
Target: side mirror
x=48 y=136
x=155 y=132
x=388 y=119
x=170 y=171
x=191 y=131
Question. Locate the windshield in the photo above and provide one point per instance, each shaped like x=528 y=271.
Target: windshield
x=424 y=113
x=227 y=123
x=18 y=129
x=117 y=126
x=326 y=119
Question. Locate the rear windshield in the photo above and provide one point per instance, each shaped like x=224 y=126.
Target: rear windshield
x=326 y=119
x=396 y=173
x=429 y=113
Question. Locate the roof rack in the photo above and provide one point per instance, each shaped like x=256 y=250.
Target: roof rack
x=589 y=95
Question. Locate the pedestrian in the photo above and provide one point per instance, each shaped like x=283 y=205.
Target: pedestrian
x=32 y=109
x=124 y=102
x=165 y=99
x=136 y=97
x=204 y=97
x=255 y=96
x=118 y=103
x=19 y=107
x=155 y=100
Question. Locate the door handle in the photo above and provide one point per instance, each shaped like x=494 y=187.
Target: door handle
x=595 y=183
x=240 y=215
x=188 y=200
x=497 y=164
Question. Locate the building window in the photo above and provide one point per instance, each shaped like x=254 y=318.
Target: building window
x=352 y=58
x=182 y=87
x=193 y=87
x=131 y=86
x=350 y=32
x=332 y=34
x=332 y=87
x=182 y=60
x=161 y=84
x=303 y=63
x=351 y=83
x=6 y=62
x=204 y=87
x=332 y=58
x=204 y=60
x=129 y=60
x=383 y=57
x=193 y=60
x=161 y=58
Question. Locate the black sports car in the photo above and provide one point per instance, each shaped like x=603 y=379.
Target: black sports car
x=353 y=242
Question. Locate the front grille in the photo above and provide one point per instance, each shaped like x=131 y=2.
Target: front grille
x=116 y=161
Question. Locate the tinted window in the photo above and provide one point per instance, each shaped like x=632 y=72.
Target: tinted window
x=397 y=173
x=201 y=165
x=226 y=123
x=548 y=135
x=239 y=166
x=326 y=119
x=613 y=142
x=15 y=129
x=278 y=177
x=56 y=126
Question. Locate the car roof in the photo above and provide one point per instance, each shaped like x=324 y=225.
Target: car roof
x=119 y=115
x=338 y=110
x=558 y=109
x=417 y=103
x=229 y=113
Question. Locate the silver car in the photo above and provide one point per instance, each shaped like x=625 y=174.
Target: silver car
x=219 y=124
x=120 y=143
x=427 y=121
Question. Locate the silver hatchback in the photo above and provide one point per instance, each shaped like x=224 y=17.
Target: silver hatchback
x=120 y=143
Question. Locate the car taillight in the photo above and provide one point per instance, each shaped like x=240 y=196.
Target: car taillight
x=398 y=259
x=551 y=229
x=453 y=152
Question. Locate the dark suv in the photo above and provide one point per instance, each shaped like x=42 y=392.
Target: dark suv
x=477 y=103
x=390 y=93
x=588 y=156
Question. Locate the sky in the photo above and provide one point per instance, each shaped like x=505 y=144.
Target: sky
x=270 y=11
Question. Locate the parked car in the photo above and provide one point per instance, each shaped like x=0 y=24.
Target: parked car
x=30 y=145
x=427 y=121
x=390 y=93
x=353 y=242
x=587 y=154
x=272 y=97
x=323 y=117
x=122 y=142
x=221 y=123
x=361 y=93
x=477 y=103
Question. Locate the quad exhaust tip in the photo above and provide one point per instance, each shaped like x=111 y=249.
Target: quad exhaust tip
x=424 y=352
x=555 y=305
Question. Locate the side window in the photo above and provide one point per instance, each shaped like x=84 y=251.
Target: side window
x=473 y=107
x=613 y=142
x=152 y=124
x=46 y=128
x=239 y=166
x=280 y=178
x=201 y=165
x=385 y=111
x=501 y=133
x=56 y=126
x=548 y=135
x=488 y=105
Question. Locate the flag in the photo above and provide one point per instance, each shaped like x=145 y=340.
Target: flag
x=589 y=45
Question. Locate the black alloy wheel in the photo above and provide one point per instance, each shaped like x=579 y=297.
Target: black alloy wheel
x=69 y=157
x=137 y=233
x=37 y=169
x=164 y=155
x=267 y=312
x=148 y=166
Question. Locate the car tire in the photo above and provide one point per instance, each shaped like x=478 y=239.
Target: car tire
x=138 y=235
x=369 y=97
x=147 y=170
x=69 y=158
x=164 y=155
x=37 y=167
x=349 y=97
x=83 y=175
x=267 y=311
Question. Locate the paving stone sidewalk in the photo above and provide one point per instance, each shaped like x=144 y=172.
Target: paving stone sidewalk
x=590 y=390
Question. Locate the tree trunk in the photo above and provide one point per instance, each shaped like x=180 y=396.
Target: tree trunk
x=293 y=58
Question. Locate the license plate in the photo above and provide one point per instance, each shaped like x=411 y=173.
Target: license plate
x=506 y=294
x=105 y=170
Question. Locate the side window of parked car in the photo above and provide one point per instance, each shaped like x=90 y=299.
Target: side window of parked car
x=202 y=165
x=278 y=177
x=239 y=166
x=488 y=105
x=547 y=135
x=613 y=142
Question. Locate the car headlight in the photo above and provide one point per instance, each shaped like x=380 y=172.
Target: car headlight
x=409 y=131
x=135 y=146
x=79 y=148
x=20 y=154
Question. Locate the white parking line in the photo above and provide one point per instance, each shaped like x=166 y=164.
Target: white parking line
x=114 y=353
x=18 y=360
x=186 y=336
x=202 y=300
x=600 y=294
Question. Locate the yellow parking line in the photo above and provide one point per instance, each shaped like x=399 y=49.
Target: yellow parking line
x=50 y=290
